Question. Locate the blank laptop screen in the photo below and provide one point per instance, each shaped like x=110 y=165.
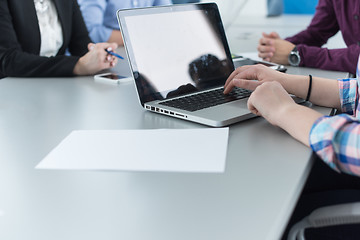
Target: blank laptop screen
x=176 y=50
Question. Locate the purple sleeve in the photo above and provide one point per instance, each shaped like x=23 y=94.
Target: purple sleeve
x=323 y=26
x=342 y=59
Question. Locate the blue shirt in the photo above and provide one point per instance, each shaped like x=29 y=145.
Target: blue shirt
x=100 y=15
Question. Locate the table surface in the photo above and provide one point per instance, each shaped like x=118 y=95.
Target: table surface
x=252 y=199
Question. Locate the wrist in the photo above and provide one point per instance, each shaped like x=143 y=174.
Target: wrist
x=294 y=84
x=79 y=67
x=284 y=79
x=280 y=116
x=298 y=122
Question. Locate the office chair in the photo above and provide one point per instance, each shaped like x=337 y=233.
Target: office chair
x=348 y=213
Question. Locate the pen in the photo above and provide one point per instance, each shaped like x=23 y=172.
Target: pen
x=114 y=54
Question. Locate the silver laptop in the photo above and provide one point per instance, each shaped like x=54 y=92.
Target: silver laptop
x=180 y=60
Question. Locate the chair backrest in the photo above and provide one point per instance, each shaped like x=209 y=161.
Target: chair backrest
x=334 y=215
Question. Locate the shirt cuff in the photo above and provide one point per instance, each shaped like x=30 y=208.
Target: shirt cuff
x=300 y=48
x=347 y=93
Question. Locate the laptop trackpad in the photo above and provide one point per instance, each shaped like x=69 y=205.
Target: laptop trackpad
x=226 y=111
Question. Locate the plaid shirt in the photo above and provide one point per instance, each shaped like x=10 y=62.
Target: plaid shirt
x=336 y=139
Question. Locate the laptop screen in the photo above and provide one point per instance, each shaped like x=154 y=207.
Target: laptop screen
x=175 y=50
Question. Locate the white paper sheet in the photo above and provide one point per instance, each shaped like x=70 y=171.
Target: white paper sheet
x=173 y=150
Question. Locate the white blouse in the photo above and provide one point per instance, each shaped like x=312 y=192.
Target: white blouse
x=50 y=27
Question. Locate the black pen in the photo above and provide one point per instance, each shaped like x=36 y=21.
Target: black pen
x=114 y=54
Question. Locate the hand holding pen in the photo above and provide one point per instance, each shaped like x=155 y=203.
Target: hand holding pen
x=96 y=59
x=109 y=51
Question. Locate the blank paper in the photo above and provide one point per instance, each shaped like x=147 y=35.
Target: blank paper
x=173 y=150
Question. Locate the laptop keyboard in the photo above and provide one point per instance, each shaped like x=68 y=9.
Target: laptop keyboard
x=206 y=99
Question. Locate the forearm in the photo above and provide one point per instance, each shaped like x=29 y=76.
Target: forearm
x=334 y=139
x=343 y=59
x=15 y=63
x=312 y=36
x=298 y=120
x=324 y=92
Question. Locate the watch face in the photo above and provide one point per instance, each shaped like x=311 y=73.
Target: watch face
x=294 y=59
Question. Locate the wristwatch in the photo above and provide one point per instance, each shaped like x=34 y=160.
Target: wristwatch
x=294 y=57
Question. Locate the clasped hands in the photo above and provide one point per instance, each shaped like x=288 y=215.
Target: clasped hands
x=272 y=48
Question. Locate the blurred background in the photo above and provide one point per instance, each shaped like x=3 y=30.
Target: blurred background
x=271 y=7
x=246 y=20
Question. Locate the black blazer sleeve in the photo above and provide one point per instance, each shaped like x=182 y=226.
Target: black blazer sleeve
x=20 y=40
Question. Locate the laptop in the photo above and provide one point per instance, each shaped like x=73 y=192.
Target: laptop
x=180 y=59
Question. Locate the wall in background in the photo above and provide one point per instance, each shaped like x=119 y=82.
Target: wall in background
x=230 y=8
x=241 y=7
x=299 y=6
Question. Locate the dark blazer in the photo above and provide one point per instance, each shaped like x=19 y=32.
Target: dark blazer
x=20 y=40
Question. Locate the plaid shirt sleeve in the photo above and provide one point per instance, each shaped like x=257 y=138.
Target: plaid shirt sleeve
x=336 y=139
x=348 y=95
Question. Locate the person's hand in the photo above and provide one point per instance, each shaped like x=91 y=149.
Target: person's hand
x=271 y=101
x=266 y=47
x=96 y=59
x=274 y=49
x=243 y=77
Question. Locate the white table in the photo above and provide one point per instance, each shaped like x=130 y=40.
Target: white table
x=253 y=199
